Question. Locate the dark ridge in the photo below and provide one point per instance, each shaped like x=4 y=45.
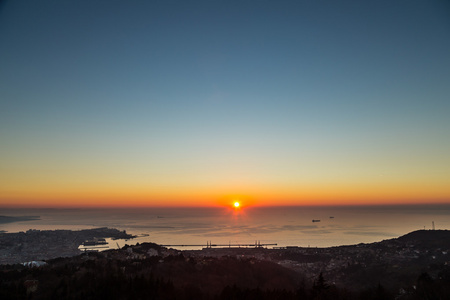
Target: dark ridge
x=430 y=238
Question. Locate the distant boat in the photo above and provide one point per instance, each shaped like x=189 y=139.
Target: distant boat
x=331 y=217
x=315 y=221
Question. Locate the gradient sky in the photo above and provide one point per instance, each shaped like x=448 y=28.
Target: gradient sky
x=198 y=102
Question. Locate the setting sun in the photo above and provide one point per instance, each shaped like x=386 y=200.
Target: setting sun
x=236 y=204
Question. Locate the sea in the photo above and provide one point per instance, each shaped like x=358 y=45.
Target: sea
x=194 y=228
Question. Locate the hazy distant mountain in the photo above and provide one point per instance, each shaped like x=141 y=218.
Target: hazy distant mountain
x=9 y=219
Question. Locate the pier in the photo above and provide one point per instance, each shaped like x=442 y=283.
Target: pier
x=229 y=245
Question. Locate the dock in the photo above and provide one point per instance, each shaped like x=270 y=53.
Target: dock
x=229 y=245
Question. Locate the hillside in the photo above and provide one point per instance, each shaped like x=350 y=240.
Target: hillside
x=404 y=268
x=427 y=238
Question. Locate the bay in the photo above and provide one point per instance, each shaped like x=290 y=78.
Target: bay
x=284 y=226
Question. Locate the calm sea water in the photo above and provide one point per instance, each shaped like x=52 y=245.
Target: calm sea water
x=285 y=226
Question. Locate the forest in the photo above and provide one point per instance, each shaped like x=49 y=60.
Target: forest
x=97 y=276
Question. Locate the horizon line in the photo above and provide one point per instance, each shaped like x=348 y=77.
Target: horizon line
x=15 y=206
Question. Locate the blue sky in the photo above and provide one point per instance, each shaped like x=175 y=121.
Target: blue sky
x=224 y=96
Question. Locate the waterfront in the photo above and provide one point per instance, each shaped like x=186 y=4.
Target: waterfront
x=35 y=245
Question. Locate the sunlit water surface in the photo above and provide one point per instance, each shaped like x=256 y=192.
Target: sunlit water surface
x=285 y=226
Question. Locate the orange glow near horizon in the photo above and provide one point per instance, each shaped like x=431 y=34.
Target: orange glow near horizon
x=122 y=200
x=253 y=195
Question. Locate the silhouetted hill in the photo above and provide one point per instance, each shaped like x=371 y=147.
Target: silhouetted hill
x=427 y=238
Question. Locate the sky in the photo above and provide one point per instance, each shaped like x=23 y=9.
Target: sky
x=198 y=103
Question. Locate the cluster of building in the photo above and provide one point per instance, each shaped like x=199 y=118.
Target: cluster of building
x=36 y=245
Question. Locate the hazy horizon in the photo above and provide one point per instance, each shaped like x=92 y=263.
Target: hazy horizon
x=162 y=206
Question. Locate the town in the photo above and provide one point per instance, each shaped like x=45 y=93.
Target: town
x=393 y=264
x=35 y=245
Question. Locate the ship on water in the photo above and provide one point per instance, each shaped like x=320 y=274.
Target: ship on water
x=315 y=220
